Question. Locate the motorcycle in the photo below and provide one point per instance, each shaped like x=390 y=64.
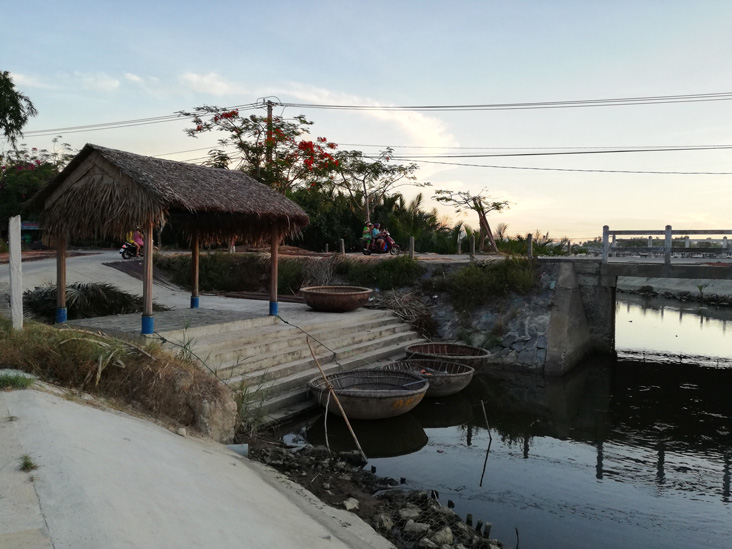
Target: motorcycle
x=389 y=247
x=128 y=250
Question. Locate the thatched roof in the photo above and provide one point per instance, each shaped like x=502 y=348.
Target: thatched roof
x=106 y=192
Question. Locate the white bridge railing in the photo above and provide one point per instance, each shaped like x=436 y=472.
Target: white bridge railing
x=609 y=244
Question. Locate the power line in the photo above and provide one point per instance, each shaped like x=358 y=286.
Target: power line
x=128 y=123
x=562 y=153
x=611 y=102
x=568 y=169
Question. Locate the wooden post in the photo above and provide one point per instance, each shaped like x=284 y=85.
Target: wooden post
x=16 y=273
x=273 y=306
x=530 y=246
x=342 y=246
x=148 y=323
x=61 y=311
x=667 y=246
x=411 y=247
x=195 y=262
x=605 y=242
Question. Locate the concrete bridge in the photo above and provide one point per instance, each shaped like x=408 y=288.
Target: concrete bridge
x=583 y=315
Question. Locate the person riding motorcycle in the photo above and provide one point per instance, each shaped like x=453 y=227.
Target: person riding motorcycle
x=366 y=234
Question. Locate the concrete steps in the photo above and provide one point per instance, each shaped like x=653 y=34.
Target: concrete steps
x=268 y=361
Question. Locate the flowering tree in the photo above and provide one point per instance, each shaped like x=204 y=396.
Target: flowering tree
x=24 y=172
x=271 y=150
x=367 y=181
x=482 y=205
x=15 y=109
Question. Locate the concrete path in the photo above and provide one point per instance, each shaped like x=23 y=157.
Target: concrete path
x=106 y=479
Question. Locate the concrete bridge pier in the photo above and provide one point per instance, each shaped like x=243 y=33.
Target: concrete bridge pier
x=582 y=316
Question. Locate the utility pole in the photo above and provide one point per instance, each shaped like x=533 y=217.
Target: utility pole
x=269 y=145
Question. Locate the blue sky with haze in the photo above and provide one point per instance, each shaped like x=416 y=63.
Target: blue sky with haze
x=93 y=62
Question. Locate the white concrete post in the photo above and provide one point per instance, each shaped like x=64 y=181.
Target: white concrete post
x=411 y=247
x=16 y=273
x=725 y=243
x=530 y=246
x=605 y=242
x=650 y=242
x=342 y=244
x=667 y=246
x=687 y=242
x=472 y=247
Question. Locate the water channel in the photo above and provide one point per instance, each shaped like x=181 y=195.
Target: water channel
x=633 y=452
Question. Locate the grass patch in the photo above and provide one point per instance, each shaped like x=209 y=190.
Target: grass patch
x=26 y=464
x=155 y=382
x=15 y=381
x=386 y=274
x=83 y=301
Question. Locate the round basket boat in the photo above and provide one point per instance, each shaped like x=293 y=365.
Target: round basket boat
x=445 y=377
x=371 y=393
x=335 y=299
x=452 y=352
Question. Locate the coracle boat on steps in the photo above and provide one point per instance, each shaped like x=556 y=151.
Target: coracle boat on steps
x=445 y=377
x=371 y=393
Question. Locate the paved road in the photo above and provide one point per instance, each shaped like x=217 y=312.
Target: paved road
x=106 y=479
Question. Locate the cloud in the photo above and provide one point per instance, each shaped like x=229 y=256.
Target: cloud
x=211 y=84
x=418 y=128
x=133 y=78
x=26 y=80
x=99 y=81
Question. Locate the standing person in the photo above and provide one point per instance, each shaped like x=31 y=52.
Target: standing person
x=137 y=241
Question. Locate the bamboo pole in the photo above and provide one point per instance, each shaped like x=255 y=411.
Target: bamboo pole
x=338 y=402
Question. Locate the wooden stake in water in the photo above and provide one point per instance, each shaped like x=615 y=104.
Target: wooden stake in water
x=338 y=402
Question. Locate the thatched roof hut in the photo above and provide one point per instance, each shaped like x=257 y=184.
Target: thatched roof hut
x=106 y=193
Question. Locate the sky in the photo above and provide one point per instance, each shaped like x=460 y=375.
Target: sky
x=84 y=63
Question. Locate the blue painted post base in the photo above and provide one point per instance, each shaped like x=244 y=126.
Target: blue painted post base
x=194 y=302
x=61 y=315
x=148 y=325
x=273 y=308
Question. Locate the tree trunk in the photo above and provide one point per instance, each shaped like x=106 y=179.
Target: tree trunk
x=485 y=230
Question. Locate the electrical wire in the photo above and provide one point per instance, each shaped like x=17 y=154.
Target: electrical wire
x=568 y=169
x=611 y=102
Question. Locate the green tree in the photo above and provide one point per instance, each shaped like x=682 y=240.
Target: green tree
x=24 y=172
x=15 y=109
x=482 y=205
x=270 y=150
x=368 y=181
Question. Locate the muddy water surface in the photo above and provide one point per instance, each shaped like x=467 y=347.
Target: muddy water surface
x=622 y=453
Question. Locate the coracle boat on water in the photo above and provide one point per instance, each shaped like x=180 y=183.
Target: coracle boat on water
x=445 y=377
x=371 y=393
x=452 y=352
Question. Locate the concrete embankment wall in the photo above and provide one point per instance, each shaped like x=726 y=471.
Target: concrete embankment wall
x=549 y=331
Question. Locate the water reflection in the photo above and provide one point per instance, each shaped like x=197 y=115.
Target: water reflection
x=381 y=438
x=682 y=331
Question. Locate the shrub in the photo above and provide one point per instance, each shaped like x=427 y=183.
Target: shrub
x=478 y=283
x=83 y=301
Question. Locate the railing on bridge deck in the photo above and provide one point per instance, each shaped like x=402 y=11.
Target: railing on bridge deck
x=667 y=249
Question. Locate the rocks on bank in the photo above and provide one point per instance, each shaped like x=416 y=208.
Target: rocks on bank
x=407 y=518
